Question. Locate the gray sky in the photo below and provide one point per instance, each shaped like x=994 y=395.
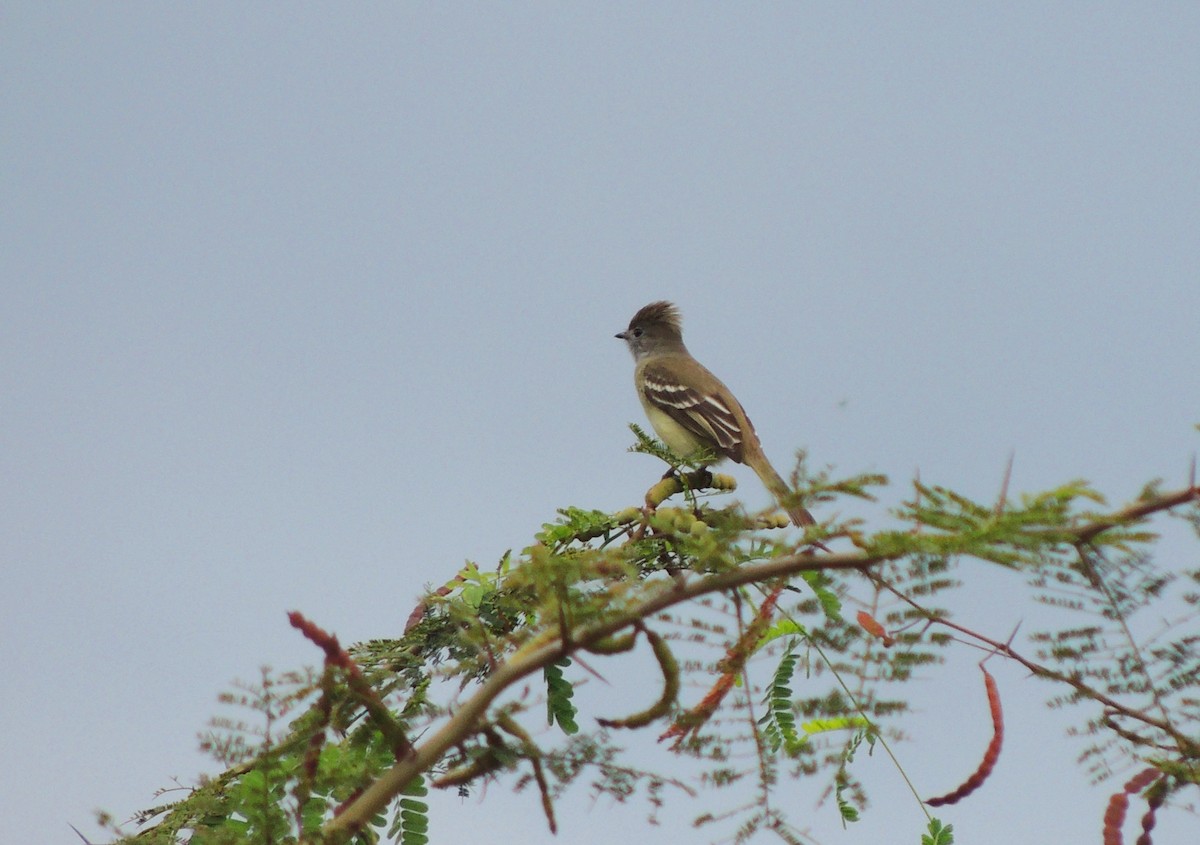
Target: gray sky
x=303 y=307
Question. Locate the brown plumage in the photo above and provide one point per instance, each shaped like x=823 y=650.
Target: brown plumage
x=689 y=407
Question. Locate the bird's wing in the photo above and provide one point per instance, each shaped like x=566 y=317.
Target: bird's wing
x=707 y=416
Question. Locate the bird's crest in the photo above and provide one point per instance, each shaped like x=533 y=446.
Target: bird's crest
x=659 y=312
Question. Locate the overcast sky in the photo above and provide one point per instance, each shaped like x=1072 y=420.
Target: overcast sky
x=303 y=306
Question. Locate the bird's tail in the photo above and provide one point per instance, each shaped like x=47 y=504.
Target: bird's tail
x=779 y=489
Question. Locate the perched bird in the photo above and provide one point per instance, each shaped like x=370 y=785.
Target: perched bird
x=690 y=408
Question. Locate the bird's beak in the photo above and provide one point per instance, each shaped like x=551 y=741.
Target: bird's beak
x=620 y=335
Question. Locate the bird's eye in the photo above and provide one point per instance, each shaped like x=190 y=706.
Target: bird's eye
x=637 y=332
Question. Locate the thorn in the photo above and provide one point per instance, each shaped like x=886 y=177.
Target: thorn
x=1004 y=484
x=80 y=835
x=1008 y=643
x=583 y=664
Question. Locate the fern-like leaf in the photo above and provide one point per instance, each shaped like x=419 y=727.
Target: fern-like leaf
x=559 y=692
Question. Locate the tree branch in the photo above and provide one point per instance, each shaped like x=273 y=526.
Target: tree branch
x=540 y=653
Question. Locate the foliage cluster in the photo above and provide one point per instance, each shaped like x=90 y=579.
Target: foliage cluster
x=796 y=685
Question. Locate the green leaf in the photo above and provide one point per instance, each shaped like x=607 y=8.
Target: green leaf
x=831 y=604
x=938 y=835
x=842 y=723
x=782 y=628
x=559 y=692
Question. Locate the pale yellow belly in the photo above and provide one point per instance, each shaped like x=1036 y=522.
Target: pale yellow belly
x=678 y=439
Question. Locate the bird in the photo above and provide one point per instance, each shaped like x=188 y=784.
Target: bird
x=692 y=410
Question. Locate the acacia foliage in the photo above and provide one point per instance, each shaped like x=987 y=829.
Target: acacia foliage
x=796 y=685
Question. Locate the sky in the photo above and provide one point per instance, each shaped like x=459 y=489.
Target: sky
x=304 y=307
